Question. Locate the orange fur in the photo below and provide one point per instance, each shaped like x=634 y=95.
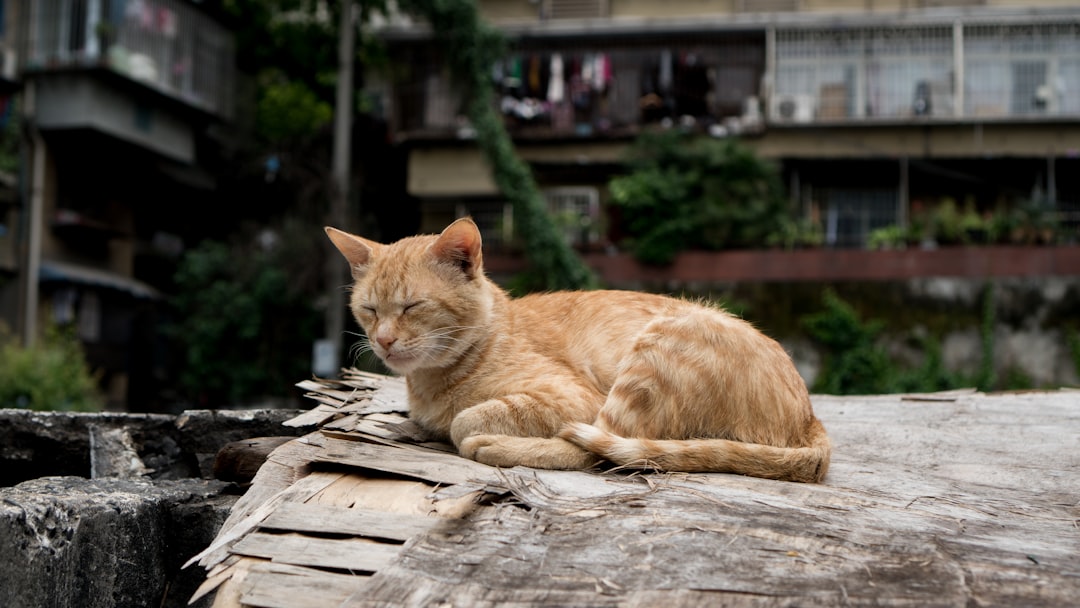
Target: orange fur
x=562 y=380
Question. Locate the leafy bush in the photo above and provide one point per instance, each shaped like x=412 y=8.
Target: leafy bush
x=288 y=109
x=685 y=192
x=792 y=233
x=52 y=375
x=887 y=237
x=245 y=326
x=931 y=376
x=854 y=364
x=9 y=137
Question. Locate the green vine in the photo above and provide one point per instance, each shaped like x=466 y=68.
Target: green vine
x=471 y=48
x=987 y=376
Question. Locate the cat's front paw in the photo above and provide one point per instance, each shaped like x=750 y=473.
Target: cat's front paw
x=486 y=449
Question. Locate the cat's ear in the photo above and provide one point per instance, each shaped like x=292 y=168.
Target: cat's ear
x=357 y=251
x=459 y=245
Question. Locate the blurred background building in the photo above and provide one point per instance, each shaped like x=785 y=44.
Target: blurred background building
x=871 y=107
x=114 y=101
x=120 y=112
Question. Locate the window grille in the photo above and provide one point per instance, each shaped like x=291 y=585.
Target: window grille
x=766 y=6
x=547 y=87
x=851 y=215
x=1022 y=70
x=166 y=45
x=495 y=219
x=881 y=73
x=1068 y=217
x=574 y=9
x=949 y=3
x=576 y=211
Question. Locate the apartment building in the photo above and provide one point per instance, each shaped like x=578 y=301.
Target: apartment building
x=114 y=99
x=872 y=108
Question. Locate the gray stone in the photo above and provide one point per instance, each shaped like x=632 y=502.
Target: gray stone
x=69 y=541
x=155 y=446
x=204 y=432
x=38 y=444
x=108 y=506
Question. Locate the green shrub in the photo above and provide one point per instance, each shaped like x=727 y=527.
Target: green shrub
x=52 y=375
x=854 y=363
x=987 y=376
x=931 y=376
x=1072 y=338
x=795 y=233
x=686 y=192
x=888 y=237
x=245 y=324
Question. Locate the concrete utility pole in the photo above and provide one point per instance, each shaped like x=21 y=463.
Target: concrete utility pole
x=34 y=222
x=328 y=351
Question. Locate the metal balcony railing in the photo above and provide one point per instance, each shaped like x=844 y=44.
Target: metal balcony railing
x=953 y=72
x=946 y=72
x=164 y=44
x=597 y=90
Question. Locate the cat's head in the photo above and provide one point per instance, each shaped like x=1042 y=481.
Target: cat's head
x=423 y=300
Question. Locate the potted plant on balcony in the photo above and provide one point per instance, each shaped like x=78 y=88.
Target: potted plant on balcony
x=888 y=237
x=106 y=33
x=946 y=223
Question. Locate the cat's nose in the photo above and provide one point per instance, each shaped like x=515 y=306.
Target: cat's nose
x=386 y=341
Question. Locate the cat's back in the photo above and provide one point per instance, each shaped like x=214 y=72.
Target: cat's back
x=602 y=325
x=595 y=310
x=594 y=325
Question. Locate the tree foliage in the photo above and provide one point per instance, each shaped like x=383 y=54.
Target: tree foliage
x=9 y=136
x=854 y=363
x=52 y=375
x=287 y=109
x=687 y=192
x=245 y=328
x=291 y=46
x=472 y=47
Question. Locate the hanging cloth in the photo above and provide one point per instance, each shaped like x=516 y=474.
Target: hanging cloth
x=666 y=78
x=513 y=78
x=556 y=85
x=600 y=72
x=534 y=76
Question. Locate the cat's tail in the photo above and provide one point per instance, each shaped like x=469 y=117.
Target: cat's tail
x=806 y=464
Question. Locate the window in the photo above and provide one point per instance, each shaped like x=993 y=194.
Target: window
x=583 y=90
x=766 y=6
x=167 y=44
x=495 y=219
x=851 y=215
x=834 y=75
x=573 y=9
x=576 y=210
x=1022 y=70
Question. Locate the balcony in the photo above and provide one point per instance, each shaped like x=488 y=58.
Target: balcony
x=719 y=78
x=165 y=45
x=973 y=72
x=582 y=88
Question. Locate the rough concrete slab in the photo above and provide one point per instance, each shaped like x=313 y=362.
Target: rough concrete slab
x=70 y=541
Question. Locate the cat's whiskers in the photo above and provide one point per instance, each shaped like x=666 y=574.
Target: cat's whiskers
x=359 y=348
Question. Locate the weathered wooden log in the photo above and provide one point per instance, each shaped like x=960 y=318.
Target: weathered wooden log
x=239 y=461
x=950 y=499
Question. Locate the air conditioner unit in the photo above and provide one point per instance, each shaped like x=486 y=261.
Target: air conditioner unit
x=792 y=108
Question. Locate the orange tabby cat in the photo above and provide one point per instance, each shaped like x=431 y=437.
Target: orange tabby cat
x=556 y=380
